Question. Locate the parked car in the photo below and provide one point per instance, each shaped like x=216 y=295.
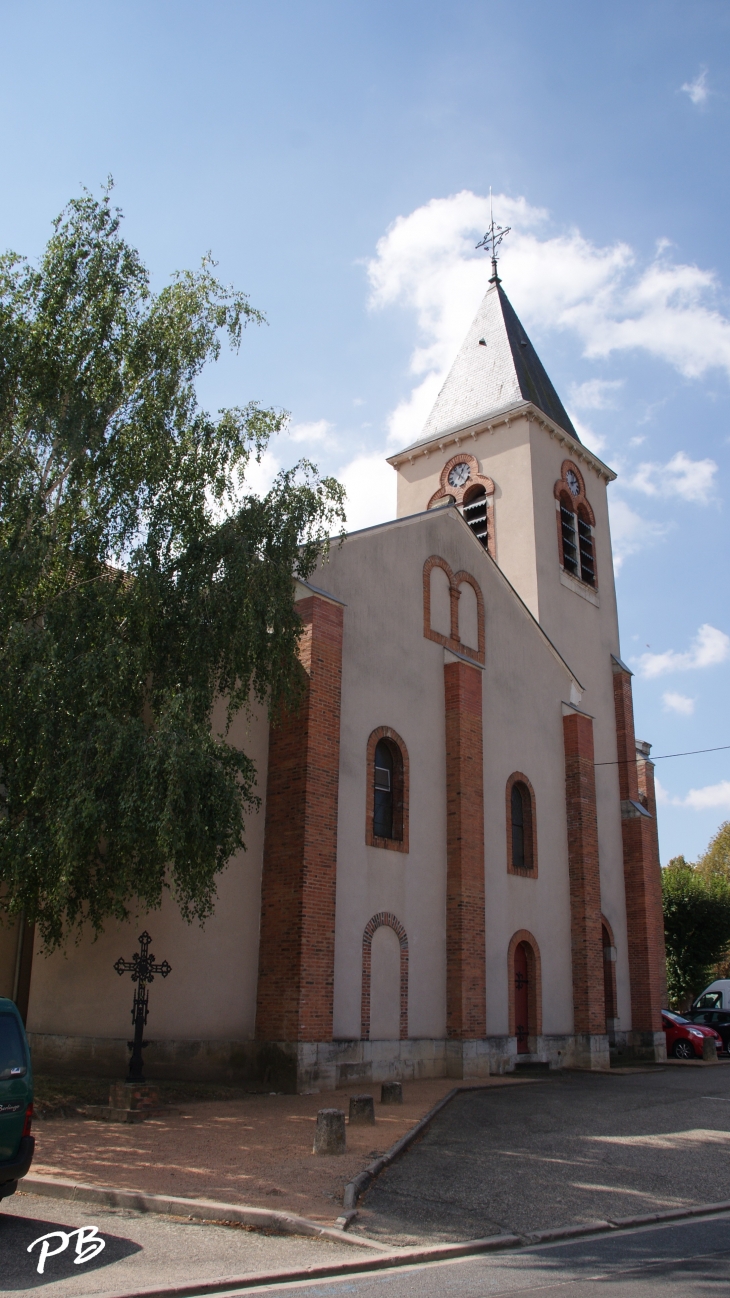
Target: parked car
x=684 y=1039
x=16 y=1100
x=714 y=997
x=719 y=1020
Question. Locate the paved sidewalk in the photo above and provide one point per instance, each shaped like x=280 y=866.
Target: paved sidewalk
x=576 y=1147
x=255 y=1151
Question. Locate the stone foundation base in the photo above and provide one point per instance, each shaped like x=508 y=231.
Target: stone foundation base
x=632 y=1046
x=292 y=1066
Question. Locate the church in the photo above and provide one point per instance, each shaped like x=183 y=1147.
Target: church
x=454 y=869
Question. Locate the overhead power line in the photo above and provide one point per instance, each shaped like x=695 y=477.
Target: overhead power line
x=662 y=757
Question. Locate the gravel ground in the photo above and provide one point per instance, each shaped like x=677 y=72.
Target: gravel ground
x=575 y=1147
x=140 y=1251
x=256 y=1151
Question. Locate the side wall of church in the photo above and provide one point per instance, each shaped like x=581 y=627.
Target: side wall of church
x=211 y=992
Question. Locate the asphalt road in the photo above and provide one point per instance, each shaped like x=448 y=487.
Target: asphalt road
x=678 y=1261
x=578 y=1147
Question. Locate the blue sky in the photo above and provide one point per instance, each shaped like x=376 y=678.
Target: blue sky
x=336 y=158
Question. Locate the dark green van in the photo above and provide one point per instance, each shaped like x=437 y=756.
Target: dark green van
x=16 y=1100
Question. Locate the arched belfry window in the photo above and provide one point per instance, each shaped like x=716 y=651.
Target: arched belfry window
x=521 y=826
x=387 y=794
x=473 y=494
x=576 y=522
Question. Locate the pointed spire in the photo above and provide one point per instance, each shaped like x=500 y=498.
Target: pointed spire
x=497 y=367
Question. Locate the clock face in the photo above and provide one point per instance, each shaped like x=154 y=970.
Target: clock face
x=459 y=475
x=572 y=482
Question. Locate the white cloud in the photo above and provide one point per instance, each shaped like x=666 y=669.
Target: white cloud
x=370 y=484
x=594 y=394
x=678 y=703
x=427 y=262
x=698 y=90
x=318 y=430
x=708 y=648
x=629 y=531
x=706 y=799
x=691 y=479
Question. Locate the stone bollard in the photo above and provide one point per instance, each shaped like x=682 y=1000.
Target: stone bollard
x=362 y=1111
x=709 y=1050
x=329 y=1133
x=391 y=1093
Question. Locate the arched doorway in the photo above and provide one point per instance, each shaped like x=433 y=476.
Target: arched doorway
x=523 y=1028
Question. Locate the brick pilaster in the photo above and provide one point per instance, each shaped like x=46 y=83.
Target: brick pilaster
x=297 y=942
x=585 y=886
x=642 y=877
x=465 y=942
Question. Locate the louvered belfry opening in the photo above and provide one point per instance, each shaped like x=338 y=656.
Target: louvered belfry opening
x=474 y=510
x=570 y=548
x=587 y=560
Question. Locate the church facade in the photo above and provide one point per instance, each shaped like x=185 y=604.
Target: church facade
x=455 y=866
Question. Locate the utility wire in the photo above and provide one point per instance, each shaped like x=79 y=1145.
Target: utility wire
x=662 y=757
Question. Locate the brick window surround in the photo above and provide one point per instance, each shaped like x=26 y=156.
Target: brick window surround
x=457 y=494
x=401 y=791
x=577 y=505
x=534 y=986
x=456 y=579
x=530 y=869
x=384 y=917
x=609 y=970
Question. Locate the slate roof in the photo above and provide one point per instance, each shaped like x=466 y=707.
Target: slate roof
x=502 y=371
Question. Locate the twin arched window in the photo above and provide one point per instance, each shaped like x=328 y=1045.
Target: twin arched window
x=575 y=526
x=387 y=791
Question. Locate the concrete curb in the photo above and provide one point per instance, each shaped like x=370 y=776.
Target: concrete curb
x=283 y=1223
x=435 y=1253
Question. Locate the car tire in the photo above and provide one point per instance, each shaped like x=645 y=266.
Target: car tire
x=683 y=1050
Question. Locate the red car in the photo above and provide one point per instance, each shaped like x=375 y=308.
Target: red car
x=685 y=1039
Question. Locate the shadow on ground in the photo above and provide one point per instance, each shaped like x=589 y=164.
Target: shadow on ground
x=19 y=1270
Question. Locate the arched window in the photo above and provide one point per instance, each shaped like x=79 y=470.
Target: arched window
x=383 y=791
x=609 y=976
x=521 y=830
x=475 y=512
x=387 y=791
x=575 y=525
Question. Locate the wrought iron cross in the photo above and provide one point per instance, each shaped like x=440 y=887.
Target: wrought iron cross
x=143 y=969
x=493 y=238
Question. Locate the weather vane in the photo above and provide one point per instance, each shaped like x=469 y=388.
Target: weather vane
x=493 y=238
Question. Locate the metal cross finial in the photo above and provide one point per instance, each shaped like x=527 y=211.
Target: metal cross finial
x=143 y=969
x=492 y=239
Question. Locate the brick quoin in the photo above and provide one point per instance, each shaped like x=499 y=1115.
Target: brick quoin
x=297 y=942
x=642 y=872
x=585 y=887
x=465 y=942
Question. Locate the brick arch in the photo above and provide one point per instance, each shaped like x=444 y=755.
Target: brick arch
x=534 y=967
x=609 y=971
x=476 y=479
x=453 y=641
x=384 y=917
x=518 y=777
x=401 y=792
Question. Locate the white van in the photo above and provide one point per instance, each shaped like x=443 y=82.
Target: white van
x=714 y=997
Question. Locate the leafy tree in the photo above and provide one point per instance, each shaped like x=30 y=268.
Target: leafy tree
x=696 y=928
x=140 y=582
x=715 y=864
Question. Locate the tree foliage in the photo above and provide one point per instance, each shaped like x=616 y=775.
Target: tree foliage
x=139 y=580
x=696 y=928
x=715 y=863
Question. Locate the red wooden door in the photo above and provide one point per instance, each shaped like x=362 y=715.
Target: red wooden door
x=522 y=1001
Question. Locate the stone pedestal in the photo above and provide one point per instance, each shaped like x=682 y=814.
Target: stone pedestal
x=709 y=1050
x=129 y=1102
x=362 y=1111
x=391 y=1093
